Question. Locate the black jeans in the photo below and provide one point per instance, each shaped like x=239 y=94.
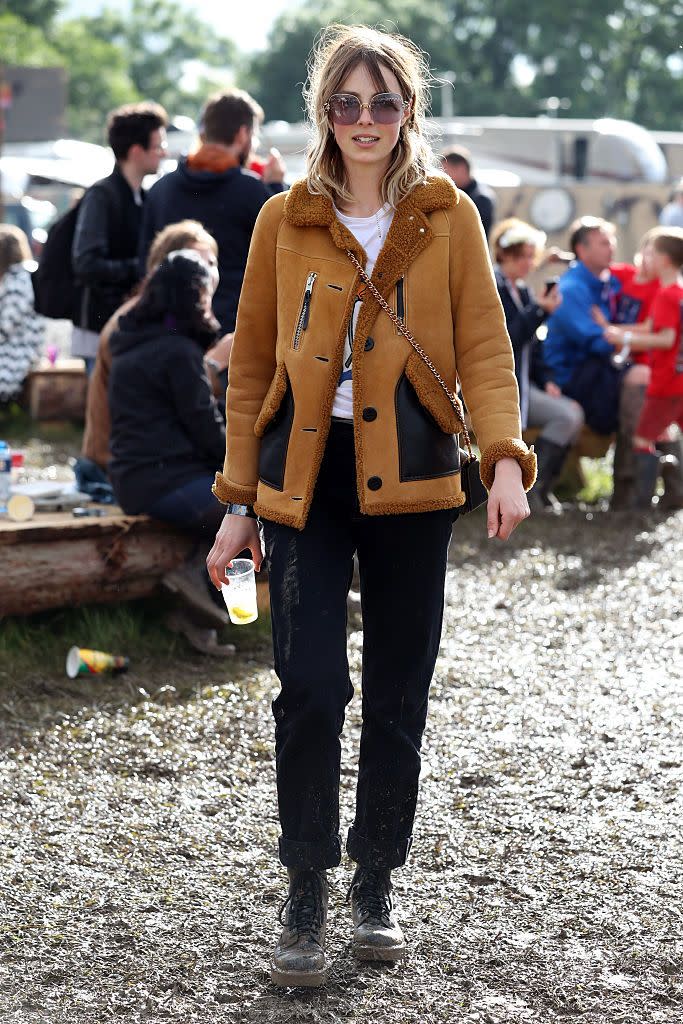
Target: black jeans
x=402 y=564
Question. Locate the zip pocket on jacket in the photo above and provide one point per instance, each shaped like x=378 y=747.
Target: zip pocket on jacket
x=305 y=312
x=400 y=300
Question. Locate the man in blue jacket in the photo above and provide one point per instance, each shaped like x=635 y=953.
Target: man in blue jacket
x=212 y=186
x=573 y=334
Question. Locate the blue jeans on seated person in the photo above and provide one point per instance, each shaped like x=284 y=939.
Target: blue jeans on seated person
x=192 y=507
x=91 y=479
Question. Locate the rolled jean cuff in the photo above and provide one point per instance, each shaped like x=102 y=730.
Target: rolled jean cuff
x=387 y=854
x=310 y=855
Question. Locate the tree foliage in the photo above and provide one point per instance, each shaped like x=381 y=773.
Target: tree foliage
x=606 y=58
x=159 y=37
x=34 y=12
x=99 y=79
x=117 y=58
x=24 y=44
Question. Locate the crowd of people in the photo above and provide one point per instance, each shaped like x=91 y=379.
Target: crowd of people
x=158 y=277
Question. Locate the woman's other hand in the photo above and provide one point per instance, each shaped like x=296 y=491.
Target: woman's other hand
x=236 y=533
x=507 y=505
x=553 y=389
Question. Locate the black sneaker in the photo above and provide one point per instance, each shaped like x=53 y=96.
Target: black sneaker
x=299 y=957
x=377 y=934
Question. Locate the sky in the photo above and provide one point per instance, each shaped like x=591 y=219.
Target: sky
x=246 y=23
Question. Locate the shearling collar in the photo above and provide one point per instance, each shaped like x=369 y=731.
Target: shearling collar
x=410 y=232
x=304 y=209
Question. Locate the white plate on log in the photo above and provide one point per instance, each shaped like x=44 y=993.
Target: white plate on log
x=38 y=489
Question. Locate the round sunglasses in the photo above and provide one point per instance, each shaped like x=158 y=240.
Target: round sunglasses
x=384 y=108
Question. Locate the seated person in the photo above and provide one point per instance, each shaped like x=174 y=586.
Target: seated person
x=577 y=353
x=167 y=433
x=22 y=330
x=95 y=454
x=517 y=248
x=664 y=399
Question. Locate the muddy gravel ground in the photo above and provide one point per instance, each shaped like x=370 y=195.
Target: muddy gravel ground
x=137 y=869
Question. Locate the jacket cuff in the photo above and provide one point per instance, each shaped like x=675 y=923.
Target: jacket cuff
x=508 y=448
x=226 y=491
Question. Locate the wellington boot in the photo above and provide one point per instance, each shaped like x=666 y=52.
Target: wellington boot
x=624 y=471
x=549 y=461
x=647 y=471
x=671 y=470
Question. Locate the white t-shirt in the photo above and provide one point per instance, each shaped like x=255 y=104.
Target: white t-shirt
x=370 y=232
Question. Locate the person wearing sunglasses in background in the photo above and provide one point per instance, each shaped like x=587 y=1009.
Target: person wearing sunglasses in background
x=341 y=440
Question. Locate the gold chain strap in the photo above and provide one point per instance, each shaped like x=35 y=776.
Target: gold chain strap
x=402 y=329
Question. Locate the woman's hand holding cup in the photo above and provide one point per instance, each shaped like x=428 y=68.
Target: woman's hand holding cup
x=236 y=534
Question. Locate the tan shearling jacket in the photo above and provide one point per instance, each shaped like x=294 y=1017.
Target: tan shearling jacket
x=296 y=300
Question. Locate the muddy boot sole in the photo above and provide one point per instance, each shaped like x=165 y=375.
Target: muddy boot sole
x=380 y=954
x=298 y=979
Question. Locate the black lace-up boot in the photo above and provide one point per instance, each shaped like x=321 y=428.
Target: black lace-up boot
x=299 y=957
x=377 y=934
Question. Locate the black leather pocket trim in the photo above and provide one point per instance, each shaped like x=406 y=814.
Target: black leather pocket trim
x=425 y=452
x=275 y=443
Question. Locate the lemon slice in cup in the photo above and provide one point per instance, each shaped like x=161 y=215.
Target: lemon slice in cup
x=242 y=614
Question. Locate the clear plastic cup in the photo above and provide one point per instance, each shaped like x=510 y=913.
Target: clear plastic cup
x=239 y=593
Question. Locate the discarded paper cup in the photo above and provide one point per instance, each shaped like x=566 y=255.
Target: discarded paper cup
x=20 y=508
x=81 y=661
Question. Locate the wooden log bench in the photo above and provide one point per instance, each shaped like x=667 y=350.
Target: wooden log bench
x=55 y=559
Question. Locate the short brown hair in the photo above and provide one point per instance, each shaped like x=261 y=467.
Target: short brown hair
x=14 y=247
x=225 y=113
x=458 y=156
x=132 y=125
x=584 y=226
x=182 y=235
x=527 y=234
x=670 y=242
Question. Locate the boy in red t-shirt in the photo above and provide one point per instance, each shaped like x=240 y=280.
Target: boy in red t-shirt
x=631 y=308
x=664 y=400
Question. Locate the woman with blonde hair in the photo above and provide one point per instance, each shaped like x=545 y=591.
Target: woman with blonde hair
x=341 y=440
x=22 y=330
x=519 y=248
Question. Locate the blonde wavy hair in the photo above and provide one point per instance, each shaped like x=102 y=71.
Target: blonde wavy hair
x=338 y=50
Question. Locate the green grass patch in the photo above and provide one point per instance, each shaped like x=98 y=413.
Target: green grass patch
x=38 y=644
x=598 y=476
x=17 y=426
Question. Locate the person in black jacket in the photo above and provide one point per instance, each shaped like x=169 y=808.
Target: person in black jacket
x=517 y=247
x=167 y=434
x=107 y=232
x=457 y=163
x=212 y=186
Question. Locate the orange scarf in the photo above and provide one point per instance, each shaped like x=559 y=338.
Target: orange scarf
x=211 y=157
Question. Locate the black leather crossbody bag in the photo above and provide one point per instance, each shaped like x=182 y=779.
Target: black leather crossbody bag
x=470 y=477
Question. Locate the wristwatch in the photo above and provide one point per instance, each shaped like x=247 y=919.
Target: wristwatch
x=240 y=510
